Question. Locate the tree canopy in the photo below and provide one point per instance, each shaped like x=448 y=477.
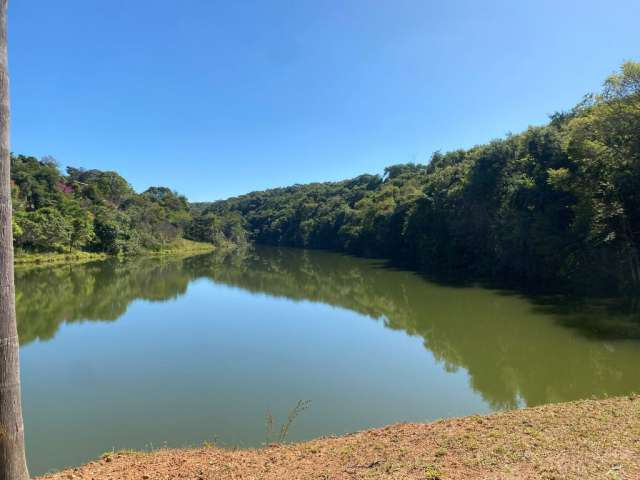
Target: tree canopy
x=555 y=203
x=95 y=211
x=558 y=202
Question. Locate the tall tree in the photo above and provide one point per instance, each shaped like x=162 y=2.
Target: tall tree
x=13 y=464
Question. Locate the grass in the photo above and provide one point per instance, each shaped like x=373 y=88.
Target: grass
x=182 y=246
x=432 y=472
x=57 y=258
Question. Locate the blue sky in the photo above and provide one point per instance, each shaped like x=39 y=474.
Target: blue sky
x=218 y=98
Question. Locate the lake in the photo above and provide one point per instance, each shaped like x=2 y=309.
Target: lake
x=175 y=352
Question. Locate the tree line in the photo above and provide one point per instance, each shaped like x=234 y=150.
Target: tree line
x=555 y=204
x=99 y=211
x=558 y=203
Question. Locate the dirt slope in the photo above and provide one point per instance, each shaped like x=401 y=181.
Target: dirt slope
x=579 y=440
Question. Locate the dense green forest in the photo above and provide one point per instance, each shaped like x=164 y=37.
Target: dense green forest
x=98 y=211
x=557 y=203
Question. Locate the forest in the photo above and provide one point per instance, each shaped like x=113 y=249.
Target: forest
x=557 y=204
x=96 y=211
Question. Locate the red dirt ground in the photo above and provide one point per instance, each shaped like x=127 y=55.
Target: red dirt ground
x=579 y=440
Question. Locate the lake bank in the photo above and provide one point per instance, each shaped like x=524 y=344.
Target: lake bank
x=575 y=440
x=68 y=258
x=37 y=259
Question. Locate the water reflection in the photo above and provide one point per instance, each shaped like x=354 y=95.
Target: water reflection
x=97 y=291
x=516 y=350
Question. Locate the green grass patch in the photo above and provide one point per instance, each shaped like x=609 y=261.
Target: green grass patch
x=182 y=246
x=35 y=259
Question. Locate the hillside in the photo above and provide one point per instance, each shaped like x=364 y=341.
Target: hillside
x=97 y=211
x=557 y=204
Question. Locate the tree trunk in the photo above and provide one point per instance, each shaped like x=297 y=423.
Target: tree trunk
x=13 y=465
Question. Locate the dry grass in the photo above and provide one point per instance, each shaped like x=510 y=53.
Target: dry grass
x=580 y=440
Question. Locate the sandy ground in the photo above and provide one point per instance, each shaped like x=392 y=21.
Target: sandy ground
x=593 y=439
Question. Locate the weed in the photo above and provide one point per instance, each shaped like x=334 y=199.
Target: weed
x=431 y=472
x=300 y=407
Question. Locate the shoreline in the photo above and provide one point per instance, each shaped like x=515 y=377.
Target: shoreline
x=51 y=259
x=74 y=258
x=574 y=440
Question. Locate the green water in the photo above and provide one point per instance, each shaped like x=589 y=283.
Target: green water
x=154 y=352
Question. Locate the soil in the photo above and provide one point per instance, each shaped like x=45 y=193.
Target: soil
x=580 y=440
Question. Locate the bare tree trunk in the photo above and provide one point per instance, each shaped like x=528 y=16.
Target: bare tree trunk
x=13 y=465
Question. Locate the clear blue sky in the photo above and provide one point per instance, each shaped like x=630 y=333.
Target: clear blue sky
x=218 y=98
